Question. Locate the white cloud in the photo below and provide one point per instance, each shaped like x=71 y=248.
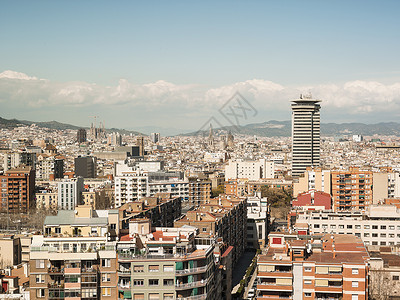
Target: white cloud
x=351 y=98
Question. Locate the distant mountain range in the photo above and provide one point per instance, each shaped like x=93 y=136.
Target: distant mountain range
x=284 y=129
x=265 y=129
x=12 y=123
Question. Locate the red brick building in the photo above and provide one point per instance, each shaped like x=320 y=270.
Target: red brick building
x=18 y=190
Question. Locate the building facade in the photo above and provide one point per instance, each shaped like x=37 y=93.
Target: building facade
x=305 y=134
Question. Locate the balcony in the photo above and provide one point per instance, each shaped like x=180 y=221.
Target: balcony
x=198 y=297
x=191 y=271
x=124 y=287
x=56 y=270
x=195 y=284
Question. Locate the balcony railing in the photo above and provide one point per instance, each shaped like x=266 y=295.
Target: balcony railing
x=197 y=297
x=194 y=284
x=189 y=271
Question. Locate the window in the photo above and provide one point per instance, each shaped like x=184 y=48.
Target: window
x=72 y=278
x=316 y=225
x=65 y=247
x=138 y=282
x=354 y=271
x=105 y=278
x=357 y=226
x=106 y=263
x=341 y=226
x=349 y=226
x=168 y=282
x=154 y=296
x=40 y=278
x=391 y=227
x=57 y=230
x=374 y=235
x=106 y=291
x=307 y=281
x=153 y=268
x=307 y=269
x=138 y=296
x=391 y=235
x=383 y=234
x=366 y=226
x=395 y=277
x=307 y=294
x=383 y=226
x=374 y=226
x=333 y=226
x=168 y=296
x=366 y=234
x=40 y=293
x=40 y=264
x=354 y=284
x=138 y=269
x=153 y=281
x=204 y=229
x=168 y=268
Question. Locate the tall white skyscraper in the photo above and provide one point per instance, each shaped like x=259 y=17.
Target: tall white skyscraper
x=305 y=134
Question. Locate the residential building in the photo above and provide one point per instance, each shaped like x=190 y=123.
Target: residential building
x=313 y=179
x=384 y=274
x=378 y=226
x=199 y=191
x=18 y=190
x=320 y=267
x=10 y=251
x=305 y=134
x=70 y=193
x=167 y=263
x=257 y=221
x=47 y=200
x=225 y=217
x=351 y=189
x=249 y=169
x=155 y=137
x=49 y=167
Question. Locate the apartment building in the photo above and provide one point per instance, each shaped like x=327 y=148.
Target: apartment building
x=199 y=191
x=321 y=267
x=384 y=273
x=313 y=200
x=132 y=186
x=225 y=217
x=313 y=179
x=167 y=263
x=379 y=226
x=75 y=258
x=10 y=250
x=18 y=189
x=161 y=210
x=49 y=167
x=257 y=221
x=46 y=200
x=250 y=169
x=70 y=193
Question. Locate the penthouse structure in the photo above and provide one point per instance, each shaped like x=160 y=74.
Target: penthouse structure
x=322 y=267
x=257 y=221
x=305 y=134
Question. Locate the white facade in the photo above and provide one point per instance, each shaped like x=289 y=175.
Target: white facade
x=393 y=185
x=250 y=169
x=122 y=167
x=69 y=193
x=257 y=221
x=136 y=185
x=378 y=227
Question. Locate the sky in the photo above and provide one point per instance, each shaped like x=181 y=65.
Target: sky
x=174 y=64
